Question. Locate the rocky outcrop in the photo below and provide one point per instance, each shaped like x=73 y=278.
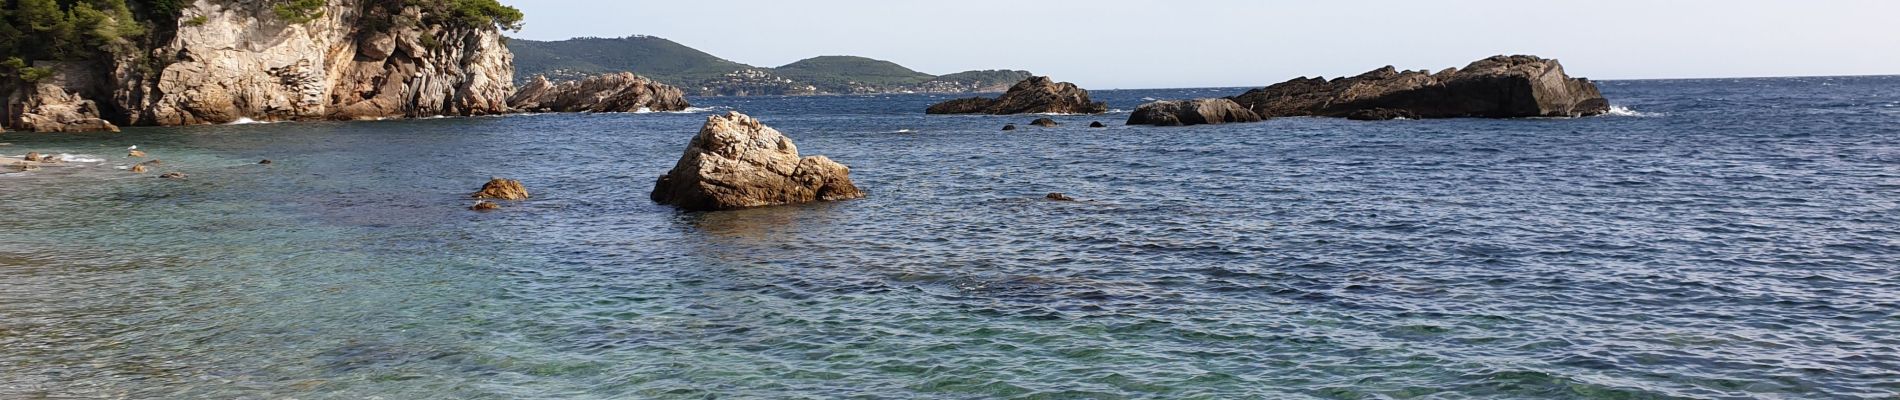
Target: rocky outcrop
x=1191 y=112
x=238 y=60
x=228 y=60
x=1036 y=95
x=621 y=92
x=738 y=162
x=502 y=189
x=1496 y=87
x=48 y=106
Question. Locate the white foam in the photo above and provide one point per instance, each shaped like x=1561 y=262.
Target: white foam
x=82 y=158
x=247 y=121
x=902 y=131
x=688 y=110
x=1621 y=111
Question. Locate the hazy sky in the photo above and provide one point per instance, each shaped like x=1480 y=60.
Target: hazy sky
x=1199 y=43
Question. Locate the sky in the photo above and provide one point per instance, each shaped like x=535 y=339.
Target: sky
x=1124 y=44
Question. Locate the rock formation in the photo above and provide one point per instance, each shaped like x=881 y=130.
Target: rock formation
x=1496 y=87
x=503 y=189
x=49 y=108
x=737 y=162
x=227 y=60
x=1036 y=95
x=1045 y=122
x=1191 y=112
x=621 y=92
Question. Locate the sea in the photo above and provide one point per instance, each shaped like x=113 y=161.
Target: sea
x=1709 y=239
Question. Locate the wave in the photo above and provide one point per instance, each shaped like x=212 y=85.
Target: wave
x=248 y=121
x=1622 y=111
x=82 y=158
x=688 y=110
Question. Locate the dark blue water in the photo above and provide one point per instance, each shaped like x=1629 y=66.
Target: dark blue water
x=1714 y=239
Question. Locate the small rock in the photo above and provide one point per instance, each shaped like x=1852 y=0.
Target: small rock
x=1059 y=197
x=504 y=189
x=173 y=175
x=51 y=159
x=152 y=162
x=265 y=162
x=135 y=154
x=1044 y=122
x=1009 y=127
x=485 y=205
x=24 y=166
x=138 y=169
x=33 y=156
x=1097 y=124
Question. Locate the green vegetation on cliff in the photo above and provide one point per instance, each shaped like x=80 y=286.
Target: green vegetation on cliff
x=67 y=30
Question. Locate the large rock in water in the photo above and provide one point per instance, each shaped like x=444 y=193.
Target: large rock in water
x=620 y=92
x=1191 y=112
x=1037 y=95
x=737 y=162
x=1496 y=87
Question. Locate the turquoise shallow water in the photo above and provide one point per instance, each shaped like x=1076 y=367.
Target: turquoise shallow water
x=1718 y=239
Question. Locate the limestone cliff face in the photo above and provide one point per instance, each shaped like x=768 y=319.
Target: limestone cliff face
x=236 y=59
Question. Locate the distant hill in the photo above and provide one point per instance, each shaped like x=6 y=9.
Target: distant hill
x=660 y=59
x=705 y=74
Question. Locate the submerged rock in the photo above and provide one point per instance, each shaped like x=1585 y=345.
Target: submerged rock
x=1009 y=127
x=619 y=92
x=485 y=205
x=1036 y=95
x=1097 y=124
x=265 y=162
x=138 y=169
x=737 y=162
x=173 y=175
x=134 y=153
x=1191 y=112
x=1059 y=197
x=1495 y=87
x=33 y=156
x=1044 y=122
x=503 y=189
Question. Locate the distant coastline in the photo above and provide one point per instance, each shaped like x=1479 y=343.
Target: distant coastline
x=702 y=74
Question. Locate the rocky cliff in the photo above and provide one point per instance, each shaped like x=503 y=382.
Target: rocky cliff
x=227 y=60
